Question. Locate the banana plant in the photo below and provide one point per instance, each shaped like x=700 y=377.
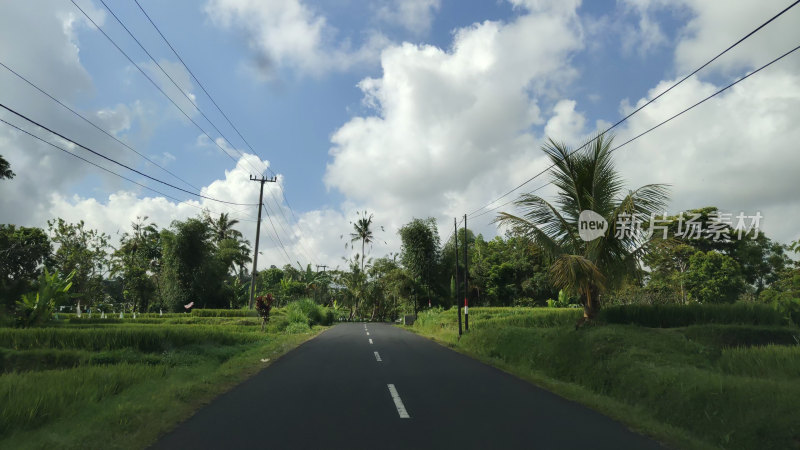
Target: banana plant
x=35 y=308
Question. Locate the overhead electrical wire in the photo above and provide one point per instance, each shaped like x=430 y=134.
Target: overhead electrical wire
x=216 y=105
x=177 y=86
x=154 y=83
x=739 y=80
x=303 y=249
x=283 y=247
x=106 y=169
x=163 y=92
x=199 y=83
x=742 y=39
x=93 y=124
x=97 y=126
x=285 y=233
x=24 y=117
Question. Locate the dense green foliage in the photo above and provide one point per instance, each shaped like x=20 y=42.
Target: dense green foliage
x=705 y=385
x=23 y=251
x=37 y=308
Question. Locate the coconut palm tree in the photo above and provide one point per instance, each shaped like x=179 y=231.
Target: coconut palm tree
x=362 y=233
x=587 y=180
x=223 y=227
x=5 y=169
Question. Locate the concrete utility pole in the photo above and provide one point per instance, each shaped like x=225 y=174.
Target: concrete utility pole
x=466 y=279
x=261 y=180
x=458 y=290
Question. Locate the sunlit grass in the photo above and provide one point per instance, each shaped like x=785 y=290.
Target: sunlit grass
x=706 y=385
x=102 y=383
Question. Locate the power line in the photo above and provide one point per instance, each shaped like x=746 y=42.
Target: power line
x=277 y=236
x=286 y=200
x=453 y=232
x=172 y=80
x=22 y=116
x=303 y=250
x=105 y=169
x=199 y=83
x=641 y=107
x=156 y=85
x=739 y=80
x=153 y=82
x=96 y=126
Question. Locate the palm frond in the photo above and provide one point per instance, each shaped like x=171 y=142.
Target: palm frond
x=576 y=272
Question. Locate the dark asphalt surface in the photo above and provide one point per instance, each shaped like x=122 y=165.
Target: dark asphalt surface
x=331 y=393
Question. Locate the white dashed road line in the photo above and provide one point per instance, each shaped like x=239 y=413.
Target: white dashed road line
x=398 y=403
x=370 y=341
x=378 y=357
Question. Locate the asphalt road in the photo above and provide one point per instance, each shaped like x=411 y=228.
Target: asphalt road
x=334 y=392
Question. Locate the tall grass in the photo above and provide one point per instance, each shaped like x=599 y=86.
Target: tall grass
x=667 y=316
x=91 y=383
x=224 y=313
x=771 y=361
x=31 y=399
x=142 y=338
x=717 y=384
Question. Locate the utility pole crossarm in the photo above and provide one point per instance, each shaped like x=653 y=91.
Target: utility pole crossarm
x=261 y=180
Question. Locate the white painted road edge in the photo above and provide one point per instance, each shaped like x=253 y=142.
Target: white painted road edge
x=398 y=403
x=378 y=357
x=370 y=341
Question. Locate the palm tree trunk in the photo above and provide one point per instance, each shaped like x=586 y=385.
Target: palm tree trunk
x=591 y=305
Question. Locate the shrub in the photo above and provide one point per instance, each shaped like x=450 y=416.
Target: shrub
x=307 y=311
x=296 y=316
x=525 y=302
x=263 y=307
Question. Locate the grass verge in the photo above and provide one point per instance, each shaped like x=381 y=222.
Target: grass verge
x=121 y=386
x=702 y=386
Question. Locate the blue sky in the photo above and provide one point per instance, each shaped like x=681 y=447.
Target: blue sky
x=403 y=108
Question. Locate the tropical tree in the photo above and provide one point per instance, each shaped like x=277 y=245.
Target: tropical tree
x=5 y=169
x=587 y=181
x=136 y=261
x=420 y=252
x=84 y=251
x=362 y=232
x=235 y=254
x=355 y=284
x=713 y=277
x=191 y=270
x=23 y=251
x=222 y=227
